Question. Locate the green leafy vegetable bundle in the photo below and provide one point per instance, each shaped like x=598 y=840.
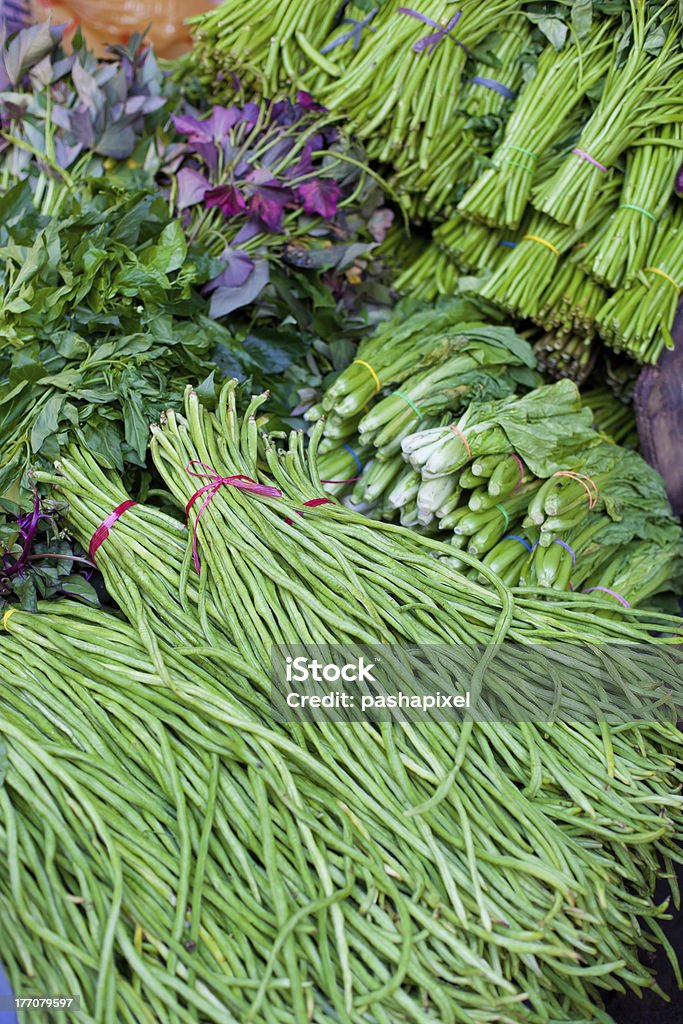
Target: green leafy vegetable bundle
x=101 y=325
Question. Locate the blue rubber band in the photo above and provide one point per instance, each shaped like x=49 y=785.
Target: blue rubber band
x=491 y=83
x=350 y=450
x=567 y=548
x=529 y=547
x=510 y=245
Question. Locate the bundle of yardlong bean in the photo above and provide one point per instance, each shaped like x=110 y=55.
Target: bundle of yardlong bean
x=232 y=875
x=319 y=576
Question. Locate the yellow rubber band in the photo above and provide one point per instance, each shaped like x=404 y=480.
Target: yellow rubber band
x=543 y=241
x=10 y=611
x=361 y=362
x=662 y=273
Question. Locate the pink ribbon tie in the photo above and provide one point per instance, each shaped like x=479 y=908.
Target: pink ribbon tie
x=216 y=481
x=102 y=532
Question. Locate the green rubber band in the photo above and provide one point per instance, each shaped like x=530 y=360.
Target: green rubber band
x=501 y=508
x=638 y=209
x=520 y=149
x=411 y=403
x=515 y=163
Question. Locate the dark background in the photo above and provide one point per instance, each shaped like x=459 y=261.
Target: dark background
x=651 y=1009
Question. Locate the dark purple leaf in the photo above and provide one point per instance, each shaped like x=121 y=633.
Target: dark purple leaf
x=227 y=198
x=320 y=196
x=305 y=100
x=192 y=187
x=268 y=198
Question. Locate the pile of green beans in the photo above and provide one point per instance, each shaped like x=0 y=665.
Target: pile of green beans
x=172 y=858
x=386 y=866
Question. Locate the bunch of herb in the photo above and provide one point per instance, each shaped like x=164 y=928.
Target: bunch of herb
x=271 y=181
x=65 y=116
x=37 y=558
x=101 y=325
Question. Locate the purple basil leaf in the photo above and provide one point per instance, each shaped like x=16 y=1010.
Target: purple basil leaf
x=320 y=196
x=227 y=198
x=195 y=130
x=143 y=104
x=268 y=198
x=225 y=300
x=250 y=113
x=117 y=142
x=88 y=91
x=192 y=187
x=238 y=269
x=26 y=48
x=248 y=230
x=220 y=122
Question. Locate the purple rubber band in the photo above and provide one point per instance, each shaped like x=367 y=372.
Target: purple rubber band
x=431 y=41
x=353 y=33
x=491 y=83
x=564 y=544
x=612 y=593
x=590 y=159
x=519 y=462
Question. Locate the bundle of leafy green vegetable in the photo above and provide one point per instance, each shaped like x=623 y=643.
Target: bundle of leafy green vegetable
x=101 y=325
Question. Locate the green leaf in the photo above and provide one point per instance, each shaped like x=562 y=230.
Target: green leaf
x=170 y=252
x=4 y=764
x=104 y=442
x=582 y=17
x=46 y=422
x=77 y=586
x=136 y=425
